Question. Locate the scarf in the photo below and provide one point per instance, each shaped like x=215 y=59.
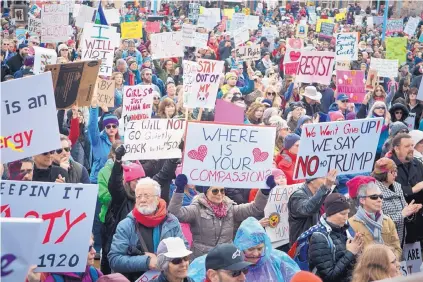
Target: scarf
x=219 y=210
x=373 y=224
x=151 y=220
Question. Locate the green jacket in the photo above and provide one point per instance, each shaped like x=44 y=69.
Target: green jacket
x=103 y=192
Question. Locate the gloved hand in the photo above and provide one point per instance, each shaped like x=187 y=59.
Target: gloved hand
x=270 y=182
x=181 y=181
x=120 y=152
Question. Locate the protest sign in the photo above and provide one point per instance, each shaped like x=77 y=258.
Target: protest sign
x=312 y=18
x=396 y=49
x=291 y=61
x=167 y=45
x=54 y=22
x=112 y=16
x=358 y=20
x=205 y=83
x=42 y=58
x=342 y=65
x=378 y=20
x=410 y=121
x=369 y=21
x=241 y=36
x=194 y=11
x=34 y=26
x=228 y=112
x=340 y=16
x=249 y=52
x=152 y=27
x=188 y=34
x=347 y=146
x=189 y=76
x=137 y=102
x=200 y=40
x=19 y=13
x=411 y=26
x=151 y=139
x=206 y=21
x=314 y=66
x=17 y=246
x=276 y=211
x=371 y=80
x=104 y=92
x=28 y=120
x=351 y=83
x=346 y=46
x=326 y=31
x=384 y=67
x=412 y=259
x=86 y=14
x=213 y=14
x=228 y=13
x=20 y=35
x=68 y=213
x=252 y=22
x=131 y=30
x=99 y=43
x=238 y=21
x=233 y=156
x=74 y=81
x=394 y=26
x=319 y=23
x=302 y=31
x=148 y=276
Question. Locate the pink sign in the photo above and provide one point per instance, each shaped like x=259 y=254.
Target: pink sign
x=314 y=66
x=351 y=83
x=228 y=112
x=152 y=27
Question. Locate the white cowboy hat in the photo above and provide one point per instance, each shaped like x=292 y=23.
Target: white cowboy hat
x=311 y=92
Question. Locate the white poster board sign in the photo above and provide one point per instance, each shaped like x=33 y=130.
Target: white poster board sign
x=17 y=247
x=249 y=52
x=252 y=22
x=346 y=46
x=148 y=276
x=347 y=146
x=241 y=36
x=412 y=259
x=112 y=16
x=137 y=102
x=384 y=67
x=43 y=57
x=34 y=26
x=54 y=22
x=411 y=26
x=167 y=45
x=233 y=156
x=200 y=40
x=151 y=139
x=85 y=15
x=188 y=31
x=238 y=21
x=189 y=76
x=411 y=121
x=35 y=105
x=68 y=213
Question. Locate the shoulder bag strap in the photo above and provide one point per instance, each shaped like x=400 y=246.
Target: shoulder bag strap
x=138 y=229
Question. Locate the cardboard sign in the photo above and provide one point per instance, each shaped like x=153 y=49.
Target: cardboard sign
x=131 y=30
x=34 y=26
x=17 y=246
x=227 y=112
x=205 y=84
x=394 y=26
x=200 y=40
x=151 y=139
x=99 y=43
x=188 y=31
x=152 y=27
x=371 y=80
x=241 y=36
x=20 y=13
x=411 y=121
x=86 y=14
x=314 y=66
x=396 y=49
x=43 y=57
x=105 y=92
x=68 y=213
x=74 y=81
x=346 y=46
x=326 y=31
x=137 y=102
x=250 y=52
x=411 y=26
x=351 y=83
x=276 y=211
x=384 y=67
x=347 y=146
x=54 y=22
x=342 y=65
x=167 y=45
x=412 y=259
x=291 y=61
x=302 y=31
x=233 y=156
x=34 y=105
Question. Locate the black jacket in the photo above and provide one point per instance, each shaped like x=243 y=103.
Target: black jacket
x=50 y=174
x=15 y=63
x=418 y=109
x=321 y=255
x=409 y=174
x=311 y=109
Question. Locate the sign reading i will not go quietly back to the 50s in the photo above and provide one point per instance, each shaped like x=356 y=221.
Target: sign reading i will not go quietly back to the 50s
x=347 y=146
x=237 y=156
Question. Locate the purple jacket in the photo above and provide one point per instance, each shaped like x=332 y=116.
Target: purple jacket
x=84 y=277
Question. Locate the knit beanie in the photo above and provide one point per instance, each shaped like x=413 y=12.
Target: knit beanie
x=334 y=116
x=351 y=116
x=269 y=112
x=383 y=165
x=417 y=60
x=276 y=172
x=230 y=74
x=303 y=120
x=355 y=183
x=110 y=119
x=335 y=203
x=396 y=127
x=132 y=171
x=29 y=61
x=290 y=140
x=305 y=276
x=62 y=46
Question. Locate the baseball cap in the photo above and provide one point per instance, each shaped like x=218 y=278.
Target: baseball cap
x=342 y=97
x=227 y=257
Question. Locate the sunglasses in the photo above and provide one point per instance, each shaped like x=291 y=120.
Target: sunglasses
x=379 y=108
x=48 y=153
x=114 y=126
x=216 y=191
x=36 y=43
x=399 y=112
x=156 y=98
x=64 y=50
x=374 y=197
x=271 y=93
x=25 y=171
x=344 y=101
x=67 y=150
x=179 y=260
x=238 y=272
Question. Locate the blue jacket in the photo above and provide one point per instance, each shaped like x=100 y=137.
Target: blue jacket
x=247 y=89
x=126 y=236
x=100 y=144
x=137 y=55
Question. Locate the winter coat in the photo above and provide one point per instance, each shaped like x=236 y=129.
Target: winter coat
x=286 y=163
x=328 y=97
x=418 y=109
x=331 y=268
x=137 y=55
x=304 y=210
x=247 y=89
x=225 y=52
x=409 y=174
x=162 y=278
x=389 y=233
x=15 y=63
x=311 y=109
x=91 y=274
x=208 y=230
x=103 y=191
x=50 y=174
x=77 y=173
x=126 y=237
x=334 y=108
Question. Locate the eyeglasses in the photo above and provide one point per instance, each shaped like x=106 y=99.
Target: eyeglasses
x=48 y=153
x=344 y=101
x=238 y=272
x=90 y=247
x=146 y=196
x=179 y=260
x=271 y=93
x=380 y=108
x=216 y=191
x=374 y=197
x=25 y=171
x=114 y=126
x=67 y=150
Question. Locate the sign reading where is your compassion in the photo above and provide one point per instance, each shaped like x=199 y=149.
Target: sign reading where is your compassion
x=137 y=102
x=233 y=156
x=347 y=146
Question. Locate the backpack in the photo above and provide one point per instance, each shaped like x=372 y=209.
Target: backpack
x=59 y=278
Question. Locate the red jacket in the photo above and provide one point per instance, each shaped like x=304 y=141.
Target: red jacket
x=286 y=162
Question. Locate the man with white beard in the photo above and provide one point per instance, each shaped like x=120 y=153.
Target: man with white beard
x=138 y=235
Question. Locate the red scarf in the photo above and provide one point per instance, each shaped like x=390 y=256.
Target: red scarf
x=154 y=219
x=219 y=210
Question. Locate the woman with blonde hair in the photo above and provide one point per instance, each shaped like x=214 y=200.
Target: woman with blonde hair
x=167 y=108
x=255 y=113
x=377 y=95
x=377 y=262
x=270 y=93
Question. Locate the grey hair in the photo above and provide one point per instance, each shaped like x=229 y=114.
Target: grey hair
x=149 y=181
x=163 y=263
x=121 y=61
x=362 y=190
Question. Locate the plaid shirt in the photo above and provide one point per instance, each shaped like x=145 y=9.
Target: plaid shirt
x=393 y=204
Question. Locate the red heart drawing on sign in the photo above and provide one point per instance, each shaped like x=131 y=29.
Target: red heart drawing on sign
x=294 y=56
x=259 y=156
x=200 y=154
